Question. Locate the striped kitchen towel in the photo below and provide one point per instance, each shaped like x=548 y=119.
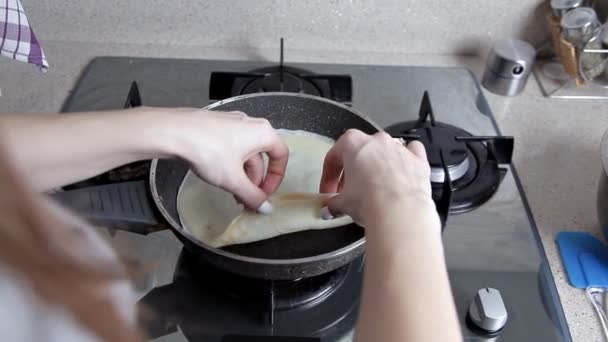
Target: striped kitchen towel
x=17 y=38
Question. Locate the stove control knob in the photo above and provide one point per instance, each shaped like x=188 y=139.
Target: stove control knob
x=487 y=311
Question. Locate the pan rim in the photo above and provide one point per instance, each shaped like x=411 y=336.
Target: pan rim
x=182 y=231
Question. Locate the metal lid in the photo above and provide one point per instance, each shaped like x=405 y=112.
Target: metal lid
x=511 y=58
x=561 y=7
x=580 y=24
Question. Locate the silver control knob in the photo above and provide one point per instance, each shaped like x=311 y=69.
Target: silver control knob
x=488 y=311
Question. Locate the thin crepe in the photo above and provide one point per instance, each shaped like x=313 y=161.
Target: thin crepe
x=214 y=217
x=292 y=212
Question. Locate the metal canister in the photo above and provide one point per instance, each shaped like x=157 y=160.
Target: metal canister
x=508 y=67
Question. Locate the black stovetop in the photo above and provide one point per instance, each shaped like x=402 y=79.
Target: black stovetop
x=493 y=245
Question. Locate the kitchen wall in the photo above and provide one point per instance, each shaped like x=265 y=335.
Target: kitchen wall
x=429 y=26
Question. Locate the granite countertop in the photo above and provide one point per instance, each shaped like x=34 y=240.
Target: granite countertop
x=556 y=150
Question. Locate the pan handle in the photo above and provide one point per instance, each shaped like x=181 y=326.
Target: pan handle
x=125 y=206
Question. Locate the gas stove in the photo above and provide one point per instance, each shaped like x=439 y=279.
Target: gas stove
x=490 y=237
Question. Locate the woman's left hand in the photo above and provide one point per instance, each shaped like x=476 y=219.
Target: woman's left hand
x=225 y=149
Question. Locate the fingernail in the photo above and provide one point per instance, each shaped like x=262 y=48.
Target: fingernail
x=265 y=208
x=326 y=214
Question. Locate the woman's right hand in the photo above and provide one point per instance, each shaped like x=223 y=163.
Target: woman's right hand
x=225 y=149
x=377 y=178
x=387 y=189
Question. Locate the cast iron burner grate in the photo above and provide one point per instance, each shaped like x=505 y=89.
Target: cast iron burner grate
x=269 y=296
x=465 y=170
x=280 y=78
x=212 y=301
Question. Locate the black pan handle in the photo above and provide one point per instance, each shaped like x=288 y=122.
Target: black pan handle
x=125 y=206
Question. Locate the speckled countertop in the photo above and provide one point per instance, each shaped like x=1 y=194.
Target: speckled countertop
x=556 y=152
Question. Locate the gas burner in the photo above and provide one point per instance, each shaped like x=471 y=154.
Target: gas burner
x=283 y=79
x=280 y=78
x=274 y=294
x=214 y=301
x=442 y=139
x=470 y=163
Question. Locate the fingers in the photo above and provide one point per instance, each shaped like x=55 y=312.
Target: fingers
x=332 y=169
x=219 y=113
x=237 y=114
x=254 y=168
x=248 y=193
x=341 y=183
x=334 y=160
x=334 y=207
x=278 y=155
x=417 y=148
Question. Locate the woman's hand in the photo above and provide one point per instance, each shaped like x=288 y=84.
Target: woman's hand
x=376 y=176
x=225 y=149
x=386 y=188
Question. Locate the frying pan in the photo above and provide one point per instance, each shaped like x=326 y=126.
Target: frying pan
x=136 y=206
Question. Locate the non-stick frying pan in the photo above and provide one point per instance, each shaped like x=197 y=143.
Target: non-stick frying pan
x=128 y=205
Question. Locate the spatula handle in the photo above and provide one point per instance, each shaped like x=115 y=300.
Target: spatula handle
x=599 y=305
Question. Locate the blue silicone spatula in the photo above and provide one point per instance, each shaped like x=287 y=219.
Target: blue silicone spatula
x=585 y=260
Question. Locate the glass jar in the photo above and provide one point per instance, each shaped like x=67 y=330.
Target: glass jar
x=561 y=7
x=584 y=31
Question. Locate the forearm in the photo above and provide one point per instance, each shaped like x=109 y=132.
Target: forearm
x=55 y=150
x=406 y=293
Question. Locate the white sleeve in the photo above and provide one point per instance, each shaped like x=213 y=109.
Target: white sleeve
x=24 y=317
